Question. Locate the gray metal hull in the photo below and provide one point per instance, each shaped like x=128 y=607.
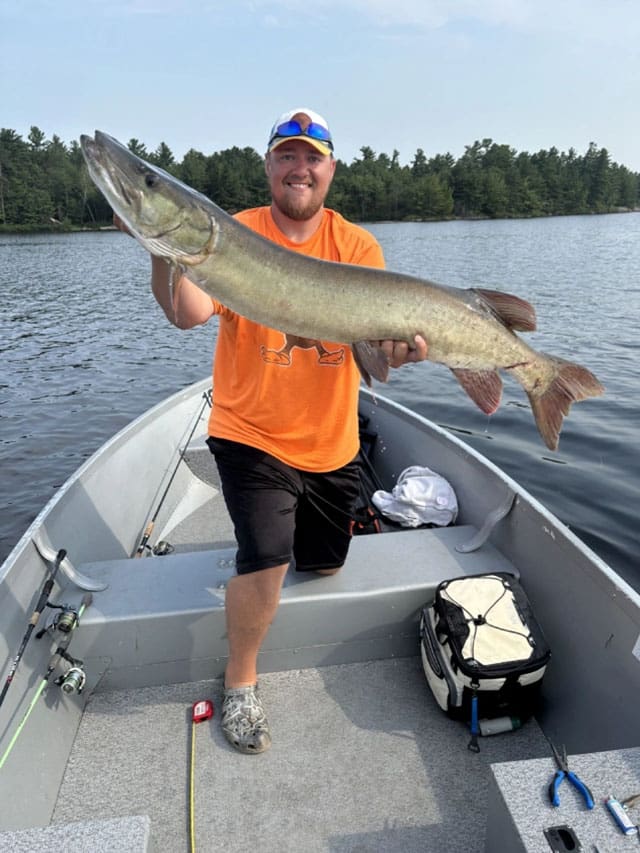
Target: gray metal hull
x=159 y=623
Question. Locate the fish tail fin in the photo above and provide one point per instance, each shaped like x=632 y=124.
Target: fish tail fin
x=552 y=393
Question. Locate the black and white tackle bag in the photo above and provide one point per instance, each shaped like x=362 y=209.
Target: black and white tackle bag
x=483 y=652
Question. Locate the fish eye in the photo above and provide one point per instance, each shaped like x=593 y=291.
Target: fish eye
x=151 y=179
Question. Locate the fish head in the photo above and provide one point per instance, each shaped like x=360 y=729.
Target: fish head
x=167 y=217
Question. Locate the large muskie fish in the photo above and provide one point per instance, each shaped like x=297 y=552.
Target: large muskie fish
x=471 y=331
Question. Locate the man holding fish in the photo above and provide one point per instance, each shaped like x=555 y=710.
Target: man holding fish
x=283 y=427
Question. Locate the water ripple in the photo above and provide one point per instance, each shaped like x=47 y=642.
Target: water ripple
x=85 y=349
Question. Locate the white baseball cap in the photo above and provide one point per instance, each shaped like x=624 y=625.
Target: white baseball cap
x=305 y=124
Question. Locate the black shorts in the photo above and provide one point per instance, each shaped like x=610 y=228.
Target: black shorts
x=280 y=513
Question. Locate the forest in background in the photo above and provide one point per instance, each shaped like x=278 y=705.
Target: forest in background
x=44 y=184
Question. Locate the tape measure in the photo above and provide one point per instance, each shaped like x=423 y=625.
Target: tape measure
x=202 y=710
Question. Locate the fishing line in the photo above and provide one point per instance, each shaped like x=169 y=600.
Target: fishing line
x=149 y=528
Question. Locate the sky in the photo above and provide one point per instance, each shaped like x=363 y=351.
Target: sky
x=402 y=75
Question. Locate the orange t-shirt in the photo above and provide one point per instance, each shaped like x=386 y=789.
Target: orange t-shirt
x=295 y=398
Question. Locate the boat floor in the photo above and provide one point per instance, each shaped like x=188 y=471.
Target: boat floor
x=362 y=760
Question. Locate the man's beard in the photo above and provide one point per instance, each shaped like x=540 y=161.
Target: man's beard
x=298 y=212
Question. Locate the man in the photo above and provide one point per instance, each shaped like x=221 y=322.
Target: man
x=283 y=426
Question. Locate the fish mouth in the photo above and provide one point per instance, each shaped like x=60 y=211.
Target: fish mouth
x=121 y=188
x=105 y=172
x=133 y=197
x=123 y=191
x=150 y=202
x=102 y=158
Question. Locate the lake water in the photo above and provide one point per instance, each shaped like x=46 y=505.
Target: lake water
x=85 y=349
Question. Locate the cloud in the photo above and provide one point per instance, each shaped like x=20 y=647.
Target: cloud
x=576 y=18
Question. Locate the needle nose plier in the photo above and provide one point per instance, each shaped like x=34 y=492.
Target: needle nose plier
x=562 y=772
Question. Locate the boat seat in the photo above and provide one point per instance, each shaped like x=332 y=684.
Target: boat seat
x=162 y=618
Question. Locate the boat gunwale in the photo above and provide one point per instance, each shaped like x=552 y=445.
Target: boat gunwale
x=600 y=570
x=605 y=575
x=116 y=440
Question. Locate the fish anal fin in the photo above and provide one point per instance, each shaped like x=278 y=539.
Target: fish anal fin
x=515 y=313
x=550 y=402
x=483 y=386
x=371 y=361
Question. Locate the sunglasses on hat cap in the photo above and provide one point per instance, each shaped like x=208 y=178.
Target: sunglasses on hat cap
x=288 y=127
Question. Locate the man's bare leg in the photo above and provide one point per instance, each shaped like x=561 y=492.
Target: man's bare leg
x=251 y=604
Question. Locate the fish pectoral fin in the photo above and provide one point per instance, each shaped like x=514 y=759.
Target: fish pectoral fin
x=515 y=313
x=371 y=361
x=483 y=386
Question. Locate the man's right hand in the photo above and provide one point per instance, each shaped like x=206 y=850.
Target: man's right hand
x=120 y=225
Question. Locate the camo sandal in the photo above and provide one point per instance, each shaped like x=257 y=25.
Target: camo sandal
x=244 y=722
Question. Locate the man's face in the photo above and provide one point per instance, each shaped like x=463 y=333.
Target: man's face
x=299 y=178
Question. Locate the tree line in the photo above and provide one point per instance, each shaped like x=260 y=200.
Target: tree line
x=44 y=183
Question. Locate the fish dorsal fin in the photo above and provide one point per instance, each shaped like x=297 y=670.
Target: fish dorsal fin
x=371 y=361
x=483 y=386
x=515 y=313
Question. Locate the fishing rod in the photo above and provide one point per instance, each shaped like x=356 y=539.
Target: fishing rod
x=33 y=621
x=149 y=528
x=71 y=682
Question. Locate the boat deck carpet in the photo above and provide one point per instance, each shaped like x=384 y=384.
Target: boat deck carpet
x=362 y=760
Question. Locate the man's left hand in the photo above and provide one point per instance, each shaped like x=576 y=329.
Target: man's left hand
x=399 y=352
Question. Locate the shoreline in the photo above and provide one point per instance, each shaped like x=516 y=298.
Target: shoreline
x=60 y=228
